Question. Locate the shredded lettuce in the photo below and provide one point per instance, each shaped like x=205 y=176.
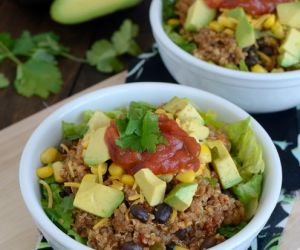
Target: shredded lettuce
x=229 y=230
x=61 y=212
x=210 y=118
x=73 y=131
x=248 y=193
x=87 y=115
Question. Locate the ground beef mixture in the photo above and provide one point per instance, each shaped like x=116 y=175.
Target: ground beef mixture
x=195 y=228
x=220 y=48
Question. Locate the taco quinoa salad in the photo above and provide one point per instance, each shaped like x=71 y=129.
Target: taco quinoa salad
x=256 y=35
x=152 y=177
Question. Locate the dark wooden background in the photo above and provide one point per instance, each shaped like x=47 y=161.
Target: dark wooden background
x=16 y=17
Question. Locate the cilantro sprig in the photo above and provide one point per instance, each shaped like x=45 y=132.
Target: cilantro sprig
x=36 y=58
x=105 y=54
x=139 y=129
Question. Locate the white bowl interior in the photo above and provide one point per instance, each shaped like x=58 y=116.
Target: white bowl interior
x=49 y=133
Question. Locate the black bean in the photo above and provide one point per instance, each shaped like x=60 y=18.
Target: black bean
x=208 y=242
x=252 y=59
x=131 y=246
x=170 y=186
x=181 y=233
x=139 y=212
x=162 y=213
x=65 y=192
x=267 y=50
x=171 y=245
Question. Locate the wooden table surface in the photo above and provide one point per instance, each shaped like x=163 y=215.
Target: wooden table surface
x=15 y=18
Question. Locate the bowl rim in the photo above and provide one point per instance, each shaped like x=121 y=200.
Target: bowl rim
x=45 y=224
x=157 y=29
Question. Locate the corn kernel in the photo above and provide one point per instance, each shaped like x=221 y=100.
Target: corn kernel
x=44 y=172
x=269 y=22
x=49 y=155
x=94 y=170
x=229 y=32
x=278 y=30
x=127 y=179
x=205 y=154
x=186 y=177
x=227 y=22
x=117 y=185
x=277 y=70
x=215 y=26
x=180 y=248
x=203 y=171
x=258 y=69
x=115 y=170
x=57 y=167
x=258 y=23
x=173 y=22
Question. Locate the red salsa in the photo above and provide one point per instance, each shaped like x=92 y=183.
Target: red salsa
x=253 y=7
x=181 y=151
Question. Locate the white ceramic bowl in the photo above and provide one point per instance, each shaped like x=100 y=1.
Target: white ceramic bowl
x=253 y=92
x=49 y=133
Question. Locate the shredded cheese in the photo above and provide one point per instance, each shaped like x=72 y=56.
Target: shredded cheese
x=65 y=148
x=71 y=169
x=72 y=184
x=134 y=197
x=117 y=185
x=100 y=223
x=173 y=215
x=49 y=192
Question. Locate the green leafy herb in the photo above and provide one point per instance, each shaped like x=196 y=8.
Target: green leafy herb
x=243 y=66
x=24 y=45
x=139 y=129
x=104 y=54
x=228 y=230
x=4 y=82
x=168 y=9
x=73 y=131
x=36 y=77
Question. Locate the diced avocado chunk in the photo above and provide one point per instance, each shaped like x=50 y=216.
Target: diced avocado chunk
x=97 y=151
x=181 y=196
x=152 y=187
x=77 y=11
x=98 y=120
x=287 y=60
x=291 y=43
x=198 y=16
x=187 y=117
x=224 y=165
x=236 y=13
x=289 y=14
x=244 y=33
x=98 y=199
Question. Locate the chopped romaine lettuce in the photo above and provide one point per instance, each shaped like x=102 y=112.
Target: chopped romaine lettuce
x=229 y=230
x=73 y=131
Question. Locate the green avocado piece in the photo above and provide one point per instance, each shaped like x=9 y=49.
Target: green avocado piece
x=244 y=33
x=97 y=151
x=98 y=199
x=287 y=60
x=187 y=117
x=224 y=165
x=152 y=187
x=291 y=43
x=289 y=14
x=198 y=16
x=236 y=13
x=181 y=196
x=98 y=119
x=77 y=11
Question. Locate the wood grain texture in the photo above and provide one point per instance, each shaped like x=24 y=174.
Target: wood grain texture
x=17 y=230
x=15 y=18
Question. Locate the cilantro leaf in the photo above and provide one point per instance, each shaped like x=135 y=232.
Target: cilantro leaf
x=36 y=77
x=4 y=82
x=7 y=42
x=24 y=45
x=73 y=131
x=139 y=129
x=103 y=56
x=43 y=55
x=123 y=41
